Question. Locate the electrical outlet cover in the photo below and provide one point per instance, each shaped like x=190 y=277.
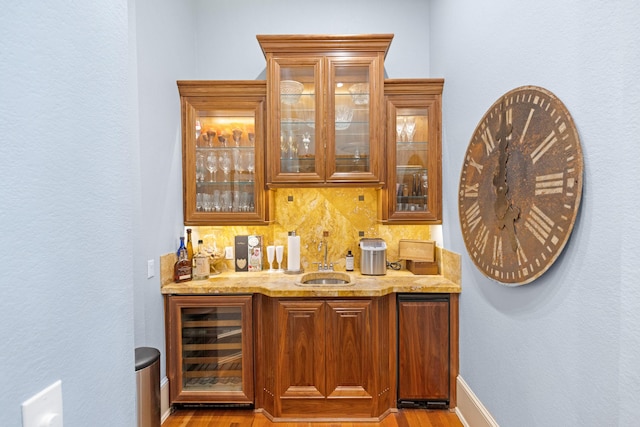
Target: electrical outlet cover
x=45 y=408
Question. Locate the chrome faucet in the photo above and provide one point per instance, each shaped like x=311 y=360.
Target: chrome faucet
x=324 y=266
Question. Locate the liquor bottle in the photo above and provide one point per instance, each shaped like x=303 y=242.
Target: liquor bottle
x=201 y=263
x=181 y=247
x=182 y=269
x=189 y=246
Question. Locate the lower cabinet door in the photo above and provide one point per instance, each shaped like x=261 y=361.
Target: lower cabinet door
x=349 y=349
x=423 y=348
x=210 y=350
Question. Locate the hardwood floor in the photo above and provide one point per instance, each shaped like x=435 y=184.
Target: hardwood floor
x=248 y=418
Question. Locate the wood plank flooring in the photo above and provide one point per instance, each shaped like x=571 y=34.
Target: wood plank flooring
x=248 y=418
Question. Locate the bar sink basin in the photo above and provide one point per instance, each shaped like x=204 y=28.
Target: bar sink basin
x=325 y=278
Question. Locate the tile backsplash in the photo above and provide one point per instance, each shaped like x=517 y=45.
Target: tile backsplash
x=343 y=212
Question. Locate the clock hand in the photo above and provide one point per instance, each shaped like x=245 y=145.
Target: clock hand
x=506 y=213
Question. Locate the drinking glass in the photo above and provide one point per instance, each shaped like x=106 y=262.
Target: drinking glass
x=410 y=128
x=251 y=164
x=237 y=134
x=225 y=165
x=223 y=140
x=212 y=166
x=306 y=141
x=236 y=201
x=199 y=202
x=237 y=161
x=252 y=138
x=399 y=128
x=199 y=167
x=211 y=134
x=215 y=202
x=271 y=251
x=279 y=256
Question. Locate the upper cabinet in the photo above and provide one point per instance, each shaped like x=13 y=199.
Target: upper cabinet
x=326 y=109
x=413 y=192
x=223 y=129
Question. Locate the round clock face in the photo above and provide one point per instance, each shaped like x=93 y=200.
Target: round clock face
x=520 y=185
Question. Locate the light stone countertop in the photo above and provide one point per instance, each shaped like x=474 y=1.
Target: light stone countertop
x=284 y=285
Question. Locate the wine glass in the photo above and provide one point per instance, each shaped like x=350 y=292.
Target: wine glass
x=199 y=168
x=212 y=166
x=252 y=138
x=279 y=256
x=306 y=141
x=216 y=203
x=251 y=164
x=410 y=128
x=225 y=165
x=399 y=128
x=211 y=134
x=237 y=161
x=424 y=181
x=271 y=251
x=237 y=134
x=223 y=140
x=199 y=202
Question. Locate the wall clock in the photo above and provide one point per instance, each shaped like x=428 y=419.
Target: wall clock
x=520 y=186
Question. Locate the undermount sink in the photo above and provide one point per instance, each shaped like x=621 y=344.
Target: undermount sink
x=325 y=278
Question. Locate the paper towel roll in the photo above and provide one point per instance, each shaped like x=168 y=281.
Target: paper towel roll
x=293 y=253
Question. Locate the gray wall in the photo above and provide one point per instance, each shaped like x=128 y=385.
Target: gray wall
x=66 y=141
x=565 y=349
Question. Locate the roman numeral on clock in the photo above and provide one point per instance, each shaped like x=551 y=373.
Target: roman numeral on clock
x=487 y=138
x=471 y=190
x=472 y=214
x=539 y=224
x=552 y=183
x=544 y=146
x=496 y=259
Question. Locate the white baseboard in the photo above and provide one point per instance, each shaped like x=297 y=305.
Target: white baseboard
x=165 y=409
x=469 y=409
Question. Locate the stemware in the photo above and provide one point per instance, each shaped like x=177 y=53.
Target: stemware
x=237 y=161
x=223 y=140
x=400 y=128
x=200 y=167
x=271 y=251
x=251 y=164
x=237 y=134
x=279 y=256
x=212 y=166
x=306 y=141
x=252 y=138
x=410 y=128
x=225 y=165
x=211 y=135
x=216 y=202
x=199 y=202
x=424 y=180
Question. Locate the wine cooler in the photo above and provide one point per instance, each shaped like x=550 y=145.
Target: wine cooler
x=212 y=358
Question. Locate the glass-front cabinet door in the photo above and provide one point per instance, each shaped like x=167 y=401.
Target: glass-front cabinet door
x=414 y=152
x=354 y=148
x=326 y=105
x=210 y=350
x=223 y=125
x=297 y=151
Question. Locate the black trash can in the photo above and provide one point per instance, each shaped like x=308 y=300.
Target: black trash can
x=148 y=386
